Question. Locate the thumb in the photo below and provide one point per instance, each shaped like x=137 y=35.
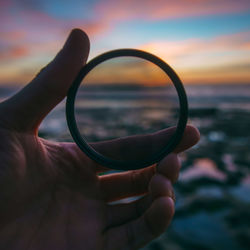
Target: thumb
x=28 y=107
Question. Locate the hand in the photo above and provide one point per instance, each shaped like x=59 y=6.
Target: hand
x=51 y=195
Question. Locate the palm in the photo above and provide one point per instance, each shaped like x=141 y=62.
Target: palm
x=51 y=194
x=52 y=205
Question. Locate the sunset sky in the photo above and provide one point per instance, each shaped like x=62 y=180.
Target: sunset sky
x=205 y=41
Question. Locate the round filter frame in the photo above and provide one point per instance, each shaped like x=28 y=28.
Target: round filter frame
x=114 y=163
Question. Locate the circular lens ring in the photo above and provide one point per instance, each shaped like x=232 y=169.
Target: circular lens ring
x=118 y=164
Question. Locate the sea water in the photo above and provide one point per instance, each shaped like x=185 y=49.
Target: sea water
x=213 y=204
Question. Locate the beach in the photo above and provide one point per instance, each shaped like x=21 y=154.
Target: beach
x=212 y=194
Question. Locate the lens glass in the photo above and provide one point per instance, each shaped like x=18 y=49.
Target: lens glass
x=126 y=96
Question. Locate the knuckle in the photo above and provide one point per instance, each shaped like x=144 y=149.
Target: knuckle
x=140 y=180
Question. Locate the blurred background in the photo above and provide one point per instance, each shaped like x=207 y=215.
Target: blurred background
x=207 y=42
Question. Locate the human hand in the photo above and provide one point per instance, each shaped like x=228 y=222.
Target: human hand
x=51 y=194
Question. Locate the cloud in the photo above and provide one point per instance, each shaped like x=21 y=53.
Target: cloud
x=13 y=53
x=36 y=31
x=28 y=31
x=30 y=16
x=223 y=57
x=167 y=9
x=183 y=48
x=30 y=34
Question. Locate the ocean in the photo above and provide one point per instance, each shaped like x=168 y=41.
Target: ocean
x=212 y=194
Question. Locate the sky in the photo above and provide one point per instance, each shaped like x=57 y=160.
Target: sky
x=205 y=41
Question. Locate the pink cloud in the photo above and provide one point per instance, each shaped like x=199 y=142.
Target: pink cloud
x=36 y=31
x=31 y=35
x=29 y=15
x=174 y=49
x=30 y=32
x=14 y=53
x=12 y=35
x=167 y=9
x=4 y=3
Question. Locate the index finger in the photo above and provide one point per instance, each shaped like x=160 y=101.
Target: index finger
x=139 y=147
x=133 y=147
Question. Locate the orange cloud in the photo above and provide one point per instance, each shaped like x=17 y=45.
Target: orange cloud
x=19 y=51
x=128 y=70
x=221 y=59
x=13 y=53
